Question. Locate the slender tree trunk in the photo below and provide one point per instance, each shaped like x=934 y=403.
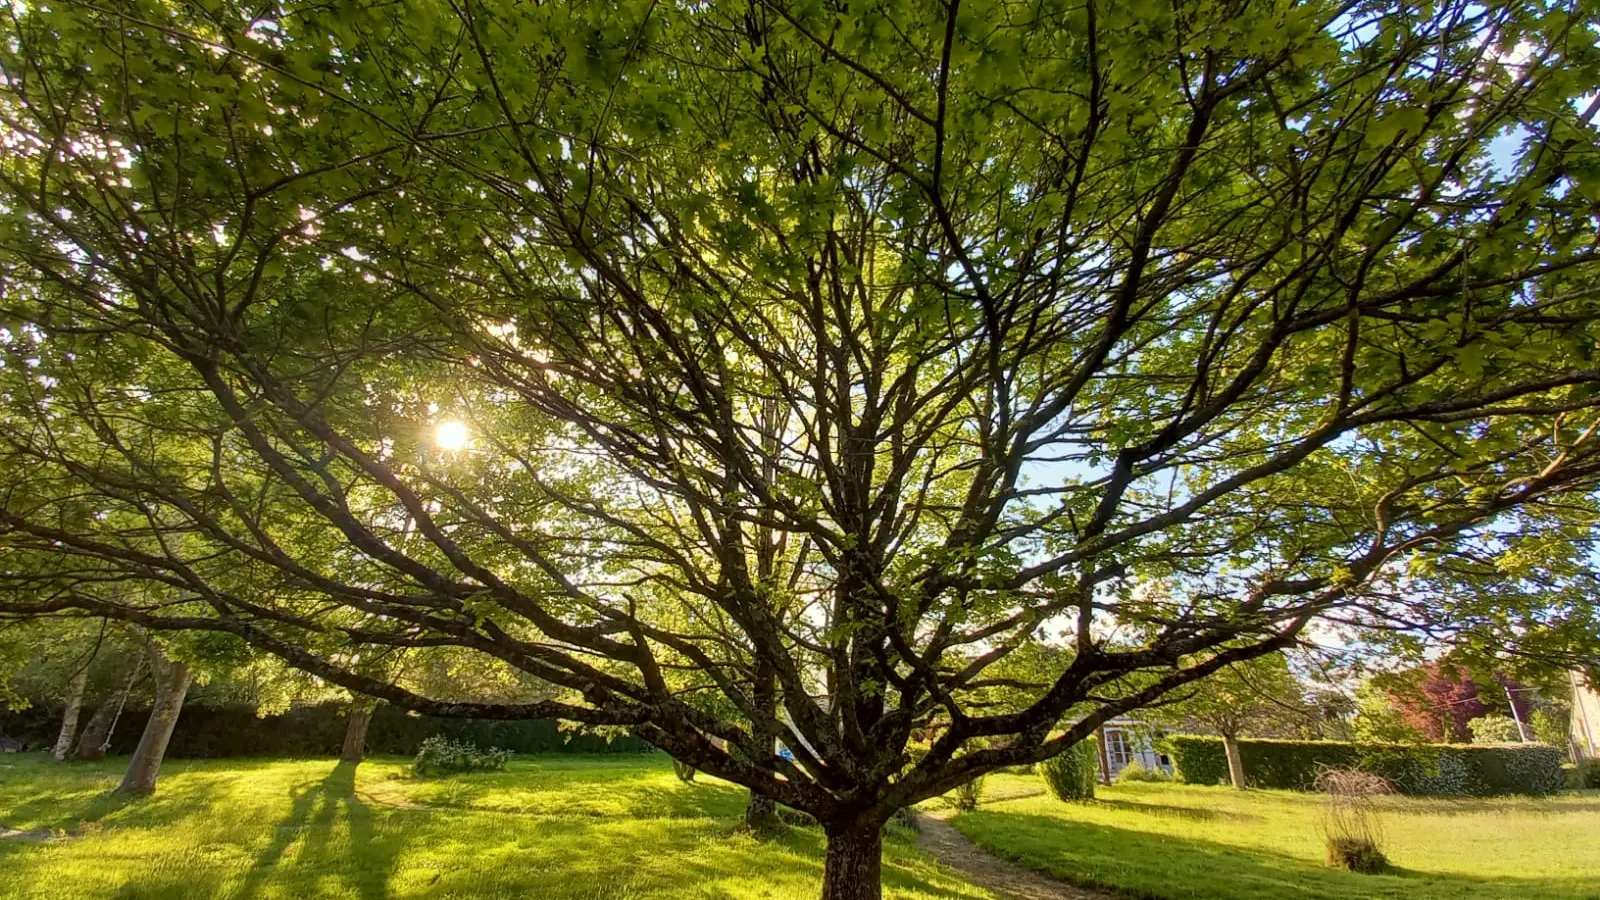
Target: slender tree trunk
x=1105 y=761
x=355 y=731
x=1230 y=745
x=761 y=813
x=172 y=685
x=96 y=736
x=853 y=869
x=69 y=719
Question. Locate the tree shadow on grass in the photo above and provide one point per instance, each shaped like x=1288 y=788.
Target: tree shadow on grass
x=1196 y=813
x=1149 y=865
x=75 y=811
x=315 y=812
x=592 y=791
x=1468 y=806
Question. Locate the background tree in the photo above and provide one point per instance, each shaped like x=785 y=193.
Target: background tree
x=51 y=659
x=1494 y=729
x=1378 y=720
x=171 y=678
x=127 y=672
x=1551 y=724
x=1260 y=697
x=841 y=345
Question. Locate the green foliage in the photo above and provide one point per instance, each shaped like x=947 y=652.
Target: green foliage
x=1138 y=771
x=442 y=756
x=1251 y=697
x=1586 y=775
x=746 y=309
x=1552 y=725
x=967 y=794
x=1379 y=721
x=1494 y=729
x=1071 y=775
x=1417 y=769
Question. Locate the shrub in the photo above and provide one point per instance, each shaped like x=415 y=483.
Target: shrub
x=1551 y=725
x=967 y=794
x=795 y=817
x=684 y=771
x=1070 y=775
x=1460 y=770
x=442 y=756
x=1492 y=729
x=213 y=732
x=1589 y=774
x=1350 y=825
x=1138 y=771
x=1356 y=856
x=904 y=817
x=1582 y=775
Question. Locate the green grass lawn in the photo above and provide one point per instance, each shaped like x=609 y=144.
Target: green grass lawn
x=1177 y=842
x=595 y=828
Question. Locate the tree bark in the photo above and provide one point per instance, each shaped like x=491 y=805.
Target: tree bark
x=355 y=731
x=761 y=813
x=172 y=684
x=96 y=736
x=853 y=869
x=69 y=719
x=1230 y=745
x=1105 y=761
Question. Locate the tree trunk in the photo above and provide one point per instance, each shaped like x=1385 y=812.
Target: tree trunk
x=761 y=813
x=69 y=719
x=853 y=869
x=96 y=736
x=172 y=684
x=355 y=731
x=1230 y=745
x=1105 y=761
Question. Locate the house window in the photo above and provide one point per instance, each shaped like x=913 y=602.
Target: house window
x=1118 y=752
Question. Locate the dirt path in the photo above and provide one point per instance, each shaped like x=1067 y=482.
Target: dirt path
x=9 y=833
x=983 y=869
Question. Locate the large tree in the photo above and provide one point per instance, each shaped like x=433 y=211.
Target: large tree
x=748 y=367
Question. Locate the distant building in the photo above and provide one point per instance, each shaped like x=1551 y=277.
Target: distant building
x=1125 y=740
x=1585 y=715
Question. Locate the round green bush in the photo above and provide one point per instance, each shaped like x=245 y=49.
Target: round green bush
x=1070 y=776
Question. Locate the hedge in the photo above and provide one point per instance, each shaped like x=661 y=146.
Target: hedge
x=221 y=731
x=1461 y=770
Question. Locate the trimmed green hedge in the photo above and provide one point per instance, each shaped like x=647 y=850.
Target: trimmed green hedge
x=1460 y=770
x=205 y=732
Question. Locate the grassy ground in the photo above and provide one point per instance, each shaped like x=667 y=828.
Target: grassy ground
x=566 y=828
x=1178 y=842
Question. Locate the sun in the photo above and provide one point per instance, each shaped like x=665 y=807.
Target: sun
x=450 y=435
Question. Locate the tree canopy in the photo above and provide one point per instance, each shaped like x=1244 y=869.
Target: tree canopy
x=746 y=367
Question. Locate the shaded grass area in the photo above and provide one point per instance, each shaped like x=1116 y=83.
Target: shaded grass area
x=1183 y=842
x=570 y=828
